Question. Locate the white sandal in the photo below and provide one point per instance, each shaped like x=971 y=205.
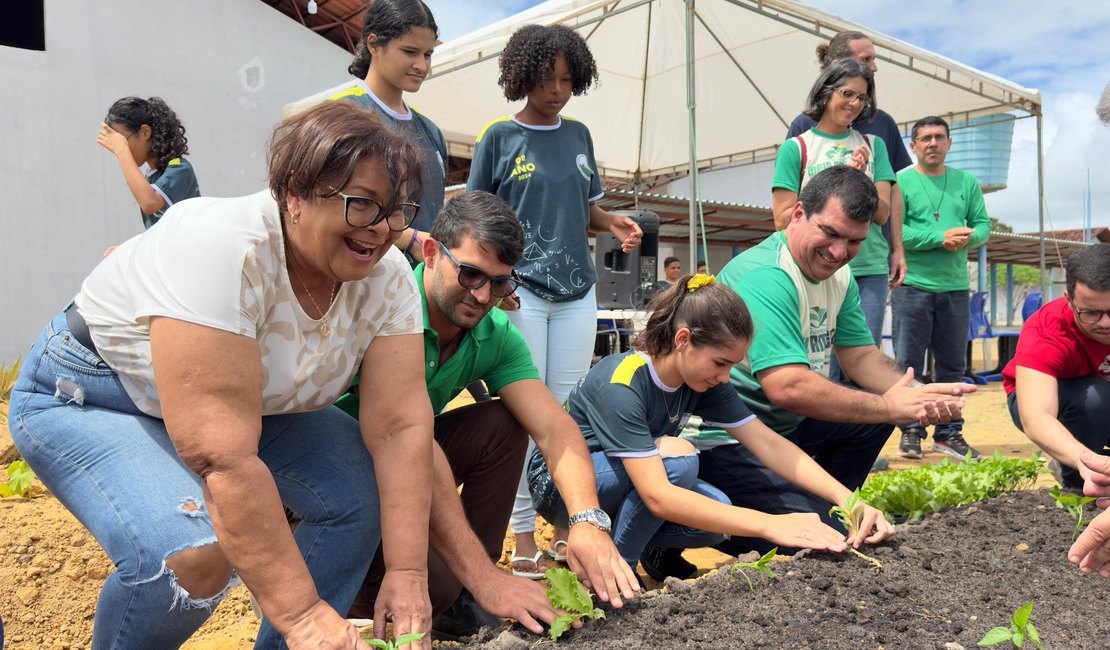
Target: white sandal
x=554 y=553
x=530 y=575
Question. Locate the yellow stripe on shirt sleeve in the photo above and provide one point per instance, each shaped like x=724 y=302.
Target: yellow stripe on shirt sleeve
x=627 y=369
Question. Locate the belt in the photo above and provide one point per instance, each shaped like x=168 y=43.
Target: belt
x=79 y=329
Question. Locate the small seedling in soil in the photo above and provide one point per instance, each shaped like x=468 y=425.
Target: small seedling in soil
x=1075 y=504
x=1020 y=630
x=20 y=476
x=759 y=565
x=846 y=515
x=398 y=642
x=566 y=593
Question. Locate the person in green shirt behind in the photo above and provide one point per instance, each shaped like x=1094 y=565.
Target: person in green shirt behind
x=467 y=270
x=805 y=304
x=944 y=216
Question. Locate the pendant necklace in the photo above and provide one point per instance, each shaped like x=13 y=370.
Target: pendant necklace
x=325 y=329
x=672 y=417
x=936 y=206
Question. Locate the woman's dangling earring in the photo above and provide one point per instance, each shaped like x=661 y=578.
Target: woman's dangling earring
x=294 y=217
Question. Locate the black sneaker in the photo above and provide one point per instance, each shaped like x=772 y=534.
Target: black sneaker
x=463 y=618
x=955 y=446
x=662 y=562
x=910 y=447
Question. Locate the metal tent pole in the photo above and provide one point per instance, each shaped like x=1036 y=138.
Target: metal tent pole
x=1040 y=194
x=691 y=106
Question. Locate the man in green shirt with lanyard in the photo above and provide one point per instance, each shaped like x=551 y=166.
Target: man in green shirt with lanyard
x=805 y=305
x=944 y=217
x=467 y=271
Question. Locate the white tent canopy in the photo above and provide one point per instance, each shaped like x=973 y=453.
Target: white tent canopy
x=753 y=64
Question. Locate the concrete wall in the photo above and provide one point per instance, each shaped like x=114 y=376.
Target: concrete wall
x=226 y=67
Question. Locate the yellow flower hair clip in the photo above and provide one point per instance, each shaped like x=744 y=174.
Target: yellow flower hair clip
x=698 y=281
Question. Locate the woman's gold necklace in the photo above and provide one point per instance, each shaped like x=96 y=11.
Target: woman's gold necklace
x=325 y=329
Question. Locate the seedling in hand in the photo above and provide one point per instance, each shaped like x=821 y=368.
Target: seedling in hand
x=1075 y=505
x=20 y=476
x=398 y=642
x=759 y=565
x=566 y=593
x=846 y=513
x=847 y=516
x=1020 y=630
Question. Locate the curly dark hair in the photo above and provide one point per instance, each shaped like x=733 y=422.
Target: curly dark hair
x=167 y=138
x=529 y=58
x=387 y=20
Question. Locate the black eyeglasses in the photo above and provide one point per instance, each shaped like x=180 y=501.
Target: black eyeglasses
x=363 y=212
x=1090 y=316
x=472 y=277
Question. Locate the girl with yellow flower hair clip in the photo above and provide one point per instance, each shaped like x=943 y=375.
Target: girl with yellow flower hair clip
x=632 y=406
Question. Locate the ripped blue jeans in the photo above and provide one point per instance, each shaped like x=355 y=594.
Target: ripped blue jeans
x=117 y=471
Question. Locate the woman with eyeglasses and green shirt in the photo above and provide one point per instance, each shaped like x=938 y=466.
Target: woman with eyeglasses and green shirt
x=147 y=132
x=182 y=400
x=842 y=94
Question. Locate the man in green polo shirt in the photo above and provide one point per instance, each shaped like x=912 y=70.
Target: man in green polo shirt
x=806 y=307
x=467 y=270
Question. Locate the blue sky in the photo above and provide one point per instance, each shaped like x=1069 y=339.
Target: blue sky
x=1056 y=48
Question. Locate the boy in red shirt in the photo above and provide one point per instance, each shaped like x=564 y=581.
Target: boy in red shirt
x=1058 y=383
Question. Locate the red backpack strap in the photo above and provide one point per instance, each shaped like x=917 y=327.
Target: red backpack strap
x=801 y=149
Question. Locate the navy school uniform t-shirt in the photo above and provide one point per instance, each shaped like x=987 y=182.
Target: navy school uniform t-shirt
x=622 y=406
x=175 y=183
x=549 y=177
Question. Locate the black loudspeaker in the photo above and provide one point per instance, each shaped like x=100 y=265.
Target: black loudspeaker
x=627 y=280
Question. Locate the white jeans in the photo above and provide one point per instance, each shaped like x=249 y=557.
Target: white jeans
x=561 y=337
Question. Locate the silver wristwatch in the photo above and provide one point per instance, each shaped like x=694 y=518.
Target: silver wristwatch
x=595 y=516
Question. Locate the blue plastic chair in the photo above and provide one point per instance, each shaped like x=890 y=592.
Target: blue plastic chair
x=1032 y=303
x=980 y=324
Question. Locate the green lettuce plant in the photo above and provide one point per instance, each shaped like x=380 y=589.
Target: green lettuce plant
x=566 y=593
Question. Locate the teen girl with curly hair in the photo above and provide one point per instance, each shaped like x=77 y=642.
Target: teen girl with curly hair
x=146 y=131
x=542 y=164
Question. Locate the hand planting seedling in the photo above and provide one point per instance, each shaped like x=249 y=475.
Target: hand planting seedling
x=850 y=519
x=20 y=476
x=1020 y=630
x=566 y=593
x=398 y=642
x=1075 y=504
x=759 y=565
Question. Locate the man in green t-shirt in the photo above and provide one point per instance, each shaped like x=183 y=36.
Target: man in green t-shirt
x=805 y=305
x=467 y=271
x=944 y=217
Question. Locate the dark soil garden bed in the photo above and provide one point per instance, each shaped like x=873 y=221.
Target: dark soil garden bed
x=945 y=582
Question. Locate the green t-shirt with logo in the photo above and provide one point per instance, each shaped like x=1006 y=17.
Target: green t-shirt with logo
x=549 y=177
x=824 y=150
x=493 y=351
x=797 y=321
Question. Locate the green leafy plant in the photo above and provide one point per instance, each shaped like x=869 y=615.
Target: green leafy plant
x=1075 y=504
x=1021 y=630
x=915 y=492
x=759 y=565
x=565 y=592
x=398 y=642
x=7 y=379
x=846 y=513
x=20 y=477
